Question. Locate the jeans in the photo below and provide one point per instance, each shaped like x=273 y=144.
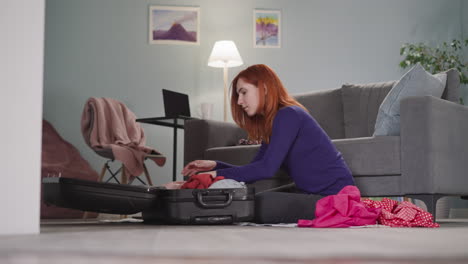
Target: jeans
x=284 y=207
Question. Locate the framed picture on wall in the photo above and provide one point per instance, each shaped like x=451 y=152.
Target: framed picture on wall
x=267 y=28
x=174 y=25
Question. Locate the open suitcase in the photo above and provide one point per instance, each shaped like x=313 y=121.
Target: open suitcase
x=158 y=205
x=202 y=206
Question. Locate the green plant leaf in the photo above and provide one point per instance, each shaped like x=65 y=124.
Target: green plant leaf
x=436 y=59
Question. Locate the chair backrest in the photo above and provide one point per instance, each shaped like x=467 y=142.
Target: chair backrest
x=87 y=133
x=109 y=109
x=103 y=152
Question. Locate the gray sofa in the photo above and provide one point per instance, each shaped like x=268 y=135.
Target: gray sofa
x=427 y=161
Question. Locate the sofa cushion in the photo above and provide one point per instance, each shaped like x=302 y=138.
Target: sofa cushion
x=236 y=155
x=416 y=82
x=364 y=156
x=361 y=103
x=241 y=155
x=452 y=88
x=326 y=107
x=371 y=156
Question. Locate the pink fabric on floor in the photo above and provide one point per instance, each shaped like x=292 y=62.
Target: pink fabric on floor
x=108 y=124
x=404 y=214
x=344 y=209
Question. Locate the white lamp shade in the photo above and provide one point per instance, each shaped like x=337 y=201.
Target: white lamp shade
x=225 y=54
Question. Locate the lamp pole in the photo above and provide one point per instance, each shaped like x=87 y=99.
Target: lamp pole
x=225 y=71
x=225 y=55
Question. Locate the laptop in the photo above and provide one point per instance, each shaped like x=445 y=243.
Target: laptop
x=175 y=104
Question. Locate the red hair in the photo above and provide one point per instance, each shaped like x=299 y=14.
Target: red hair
x=272 y=95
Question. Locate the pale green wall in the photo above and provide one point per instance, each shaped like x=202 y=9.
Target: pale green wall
x=100 y=48
x=464 y=18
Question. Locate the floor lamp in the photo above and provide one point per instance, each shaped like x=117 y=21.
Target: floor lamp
x=225 y=55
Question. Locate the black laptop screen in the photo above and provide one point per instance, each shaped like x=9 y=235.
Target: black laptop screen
x=175 y=104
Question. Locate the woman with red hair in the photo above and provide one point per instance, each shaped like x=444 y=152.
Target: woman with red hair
x=291 y=140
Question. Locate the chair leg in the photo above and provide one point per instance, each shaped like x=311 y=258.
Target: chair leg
x=103 y=172
x=145 y=169
x=124 y=181
x=124 y=175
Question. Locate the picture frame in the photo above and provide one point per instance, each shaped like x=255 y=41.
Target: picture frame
x=174 y=25
x=267 y=28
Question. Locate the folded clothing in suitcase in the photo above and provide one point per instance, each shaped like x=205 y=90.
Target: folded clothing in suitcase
x=157 y=204
x=202 y=206
x=98 y=197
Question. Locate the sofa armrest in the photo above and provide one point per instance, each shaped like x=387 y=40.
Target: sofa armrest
x=201 y=135
x=434 y=146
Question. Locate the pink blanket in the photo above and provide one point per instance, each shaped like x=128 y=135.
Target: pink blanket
x=108 y=124
x=344 y=209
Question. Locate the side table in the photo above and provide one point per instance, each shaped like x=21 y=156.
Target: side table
x=174 y=122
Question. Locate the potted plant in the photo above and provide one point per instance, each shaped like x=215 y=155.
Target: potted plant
x=437 y=59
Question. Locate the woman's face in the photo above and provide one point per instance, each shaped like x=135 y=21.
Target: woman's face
x=248 y=97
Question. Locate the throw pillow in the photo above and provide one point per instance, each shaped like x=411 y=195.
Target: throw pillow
x=416 y=82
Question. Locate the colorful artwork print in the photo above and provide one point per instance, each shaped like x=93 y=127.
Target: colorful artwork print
x=267 y=29
x=174 y=25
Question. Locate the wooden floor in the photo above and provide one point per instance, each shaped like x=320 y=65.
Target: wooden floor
x=73 y=259
x=97 y=242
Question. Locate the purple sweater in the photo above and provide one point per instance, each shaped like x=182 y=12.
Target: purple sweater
x=299 y=146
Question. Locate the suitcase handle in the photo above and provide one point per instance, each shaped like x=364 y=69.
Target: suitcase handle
x=213 y=220
x=214 y=205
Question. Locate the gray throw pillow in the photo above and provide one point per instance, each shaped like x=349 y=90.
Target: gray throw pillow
x=416 y=82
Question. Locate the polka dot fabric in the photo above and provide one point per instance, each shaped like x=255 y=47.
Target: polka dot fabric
x=404 y=214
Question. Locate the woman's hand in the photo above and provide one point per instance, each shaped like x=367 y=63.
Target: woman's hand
x=197 y=166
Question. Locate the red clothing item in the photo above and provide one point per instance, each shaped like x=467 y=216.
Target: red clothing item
x=200 y=181
x=344 y=209
x=404 y=214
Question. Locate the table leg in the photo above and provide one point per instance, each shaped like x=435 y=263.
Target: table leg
x=174 y=157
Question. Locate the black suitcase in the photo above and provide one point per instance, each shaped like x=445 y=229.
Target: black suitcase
x=158 y=205
x=98 y=197
x=202 y=206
